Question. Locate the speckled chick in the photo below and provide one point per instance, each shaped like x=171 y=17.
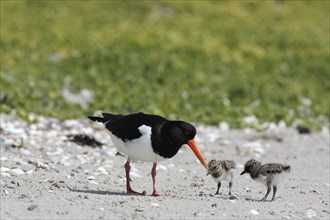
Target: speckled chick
x=270 y=174
x=221 y=170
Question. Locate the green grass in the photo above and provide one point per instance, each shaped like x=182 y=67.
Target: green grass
x=198 y=61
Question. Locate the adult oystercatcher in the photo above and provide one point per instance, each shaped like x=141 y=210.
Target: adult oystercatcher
x=147 y=137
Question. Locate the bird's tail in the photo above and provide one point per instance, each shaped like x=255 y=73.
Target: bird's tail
x=97 y=119
x=106 y=117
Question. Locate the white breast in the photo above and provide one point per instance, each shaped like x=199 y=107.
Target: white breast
x=138 y=149
x=226 y=176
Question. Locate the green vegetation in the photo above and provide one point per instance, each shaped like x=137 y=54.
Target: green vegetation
x=199 y=61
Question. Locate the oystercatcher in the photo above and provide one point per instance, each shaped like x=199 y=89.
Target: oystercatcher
x=147 y=137
x=222 y=170
x=269 y=174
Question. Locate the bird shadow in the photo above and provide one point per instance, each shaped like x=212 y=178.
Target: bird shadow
x=98 y=192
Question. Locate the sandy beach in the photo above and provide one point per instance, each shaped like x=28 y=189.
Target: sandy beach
x=44 y=175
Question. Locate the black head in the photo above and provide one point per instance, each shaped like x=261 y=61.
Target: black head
x=250 y=166
x=181 y=132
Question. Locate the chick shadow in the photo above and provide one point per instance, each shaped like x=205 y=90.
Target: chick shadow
x=98 y=192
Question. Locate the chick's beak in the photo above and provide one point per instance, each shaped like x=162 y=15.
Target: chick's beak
x=243 y=172
x=198 y=154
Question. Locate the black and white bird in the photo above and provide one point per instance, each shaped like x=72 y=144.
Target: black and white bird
x=270 y=174
x=221 y=170
x=150 y=138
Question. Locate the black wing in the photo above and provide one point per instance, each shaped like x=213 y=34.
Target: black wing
x=127 y=127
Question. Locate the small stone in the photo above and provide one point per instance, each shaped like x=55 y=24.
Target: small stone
x=101 y=170
x=310 y=213
x=138 y=210
x=161 y=167
x=17 y=172
x=271 y=212
x=214 y=205
x=3 y=159
x=93 y=182
x=198 y=214
x=231 y=197
x=4 y=169
x=32 y=207
x=91 y=178
x=5 y=174
x=253 y=212
x=247 y=189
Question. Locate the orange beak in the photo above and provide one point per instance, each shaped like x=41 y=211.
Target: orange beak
x=198 y=154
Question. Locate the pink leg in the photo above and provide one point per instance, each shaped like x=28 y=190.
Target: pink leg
x=153 y=174
x=128 y=184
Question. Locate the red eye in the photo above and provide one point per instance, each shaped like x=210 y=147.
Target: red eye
x=186 y=133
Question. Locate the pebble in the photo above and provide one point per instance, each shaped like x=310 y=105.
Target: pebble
x=17 y=172
x=253 y=148
x=161 y=167
x=93 y=182
x=4 y=169
x=253 y=212
x=3 y=159
x=310 y=213
x=5 y=174
x=198 y=214
x=100 y=171
x=231 y=197
x=32 y=207
x=91 y=178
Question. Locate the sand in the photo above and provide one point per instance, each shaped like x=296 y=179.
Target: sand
x=49 y=177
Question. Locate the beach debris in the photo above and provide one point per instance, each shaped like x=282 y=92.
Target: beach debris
x=83 y=139
x=303 y=130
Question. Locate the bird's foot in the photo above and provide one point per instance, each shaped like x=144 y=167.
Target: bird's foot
x=155 y=193
x=130 y=191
